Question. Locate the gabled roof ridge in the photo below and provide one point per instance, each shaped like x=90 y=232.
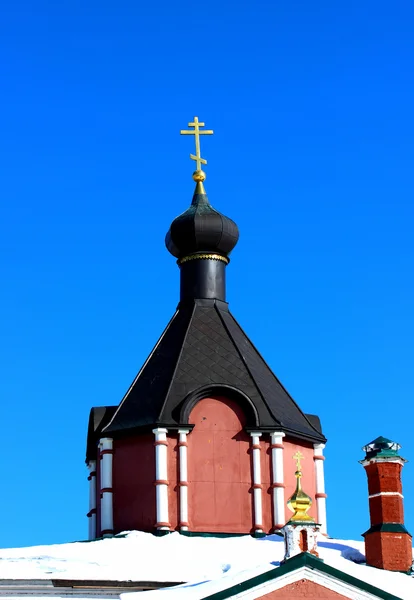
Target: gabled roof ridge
x=304 y=560
x=269 y=369
x=178 y=358
x=141 y=370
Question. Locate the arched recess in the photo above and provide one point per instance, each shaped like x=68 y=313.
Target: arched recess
x=226 y=391
x=219 y=467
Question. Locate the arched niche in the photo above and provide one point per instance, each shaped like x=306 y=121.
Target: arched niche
x=219 y=466
x=223 y=391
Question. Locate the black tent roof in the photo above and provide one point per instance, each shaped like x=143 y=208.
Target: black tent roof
x=203 y=350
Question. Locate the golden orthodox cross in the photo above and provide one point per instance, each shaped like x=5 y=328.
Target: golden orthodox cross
x=196 y=132
x=298 y=457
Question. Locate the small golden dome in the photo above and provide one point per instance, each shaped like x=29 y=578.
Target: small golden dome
x=299 y=502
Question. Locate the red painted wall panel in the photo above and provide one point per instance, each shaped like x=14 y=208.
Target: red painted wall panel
x=219 y=468
x=266 y=473
x=133 y=483
x=308 y=470
x=173 y=478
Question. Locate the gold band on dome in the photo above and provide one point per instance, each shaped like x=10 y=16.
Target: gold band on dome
x=203 y=257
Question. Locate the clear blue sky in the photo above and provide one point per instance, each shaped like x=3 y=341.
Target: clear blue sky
x=312 y=107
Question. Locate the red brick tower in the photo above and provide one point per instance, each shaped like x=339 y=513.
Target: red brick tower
x=387 y=542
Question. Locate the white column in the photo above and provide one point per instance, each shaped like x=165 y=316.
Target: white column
x=161 y=478
x=92 y=500
x=320 y=485
x=107 y=513
x=278 y=483
x=183 y=482
x=257 y=482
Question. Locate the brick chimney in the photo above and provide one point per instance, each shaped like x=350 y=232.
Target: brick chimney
x=387 y=542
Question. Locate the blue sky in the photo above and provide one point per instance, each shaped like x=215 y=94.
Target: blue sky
x=311 y=104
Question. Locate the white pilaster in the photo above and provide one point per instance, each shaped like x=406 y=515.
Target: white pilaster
x=92 y=500
x=107 y=513
x=257 y=482
x=320 y=485
x=278 y=483
x=183 y=482
x=161 y=477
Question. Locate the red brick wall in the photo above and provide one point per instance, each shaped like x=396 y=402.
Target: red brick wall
x=390 y=551
x=303 y=589
x=386 y=509
x=384 y=477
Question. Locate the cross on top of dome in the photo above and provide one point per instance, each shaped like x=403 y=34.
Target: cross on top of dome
x=198 y=175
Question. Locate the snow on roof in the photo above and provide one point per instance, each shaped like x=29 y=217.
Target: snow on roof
x=206 y=564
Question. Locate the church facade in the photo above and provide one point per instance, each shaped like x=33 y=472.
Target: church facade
x=202 y=439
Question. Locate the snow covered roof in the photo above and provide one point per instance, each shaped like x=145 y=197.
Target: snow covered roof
x=205 y=564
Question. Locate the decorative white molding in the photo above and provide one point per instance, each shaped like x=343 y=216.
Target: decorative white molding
x=183 y=483
x=107 y=511
x=278 y=496
x=386 y=494
x=320 y=486
x=381 y=459
x=92 y=500
x=257 y=482
x=161 y=478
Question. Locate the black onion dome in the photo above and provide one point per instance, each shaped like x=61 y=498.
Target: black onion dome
x=201 y=229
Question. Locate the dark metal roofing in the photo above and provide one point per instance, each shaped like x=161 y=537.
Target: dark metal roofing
x=98 y=418
x=201 y=227
x=203 y=349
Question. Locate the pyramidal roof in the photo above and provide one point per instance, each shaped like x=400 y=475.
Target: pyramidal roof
x=204 y=351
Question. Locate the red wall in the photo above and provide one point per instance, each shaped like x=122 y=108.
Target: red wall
x=303 y=589
x=133 y=483
x=173 y=478
x=308 y=470
x=219 y=468
x=220 y=494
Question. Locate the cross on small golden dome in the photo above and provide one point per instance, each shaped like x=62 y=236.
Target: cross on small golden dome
x=298 y=457
x=198 y=175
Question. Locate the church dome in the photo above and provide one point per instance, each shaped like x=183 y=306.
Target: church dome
x=201 y=228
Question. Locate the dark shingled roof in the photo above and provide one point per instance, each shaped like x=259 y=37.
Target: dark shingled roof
x=204 y=350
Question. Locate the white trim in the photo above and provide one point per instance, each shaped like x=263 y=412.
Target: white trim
x=327 y=581
x=386 y=494
x=320 y=486
x=92 y=500
x=107 y=512
x=183 y=475
x=161 y=474
x=382 y=459
x=278 y=496
x=257 y=480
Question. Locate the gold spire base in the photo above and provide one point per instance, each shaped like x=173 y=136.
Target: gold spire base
x=199 y=189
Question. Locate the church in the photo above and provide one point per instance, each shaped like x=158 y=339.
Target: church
x=223 y=425
x=206 y=480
